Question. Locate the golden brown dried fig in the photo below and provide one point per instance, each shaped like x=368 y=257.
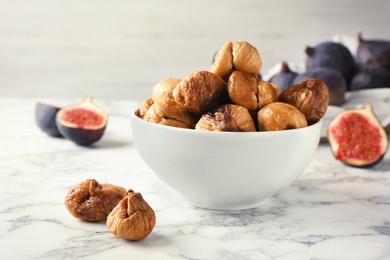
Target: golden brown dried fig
x=248 y=91
x=242 y=89
x=229 y=117
x=198 y=91
x=267 y=93
x=92 y=201
x=278 y=116
x=145 y=106
x=169 y=117
x=223 y=61
x=311 y=97
x=233 y=56
x=132 y=218
x=246 y=58
x=162 y=93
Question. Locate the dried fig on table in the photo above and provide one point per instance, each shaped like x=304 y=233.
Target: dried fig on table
x=132 y=218
x=92 y=201
x=199 y=91
x=233 y=56
x=278 y=116
x=311 y=97
x=229 y=117
x=248 y=91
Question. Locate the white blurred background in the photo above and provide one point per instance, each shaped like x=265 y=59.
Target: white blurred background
x=119 y=49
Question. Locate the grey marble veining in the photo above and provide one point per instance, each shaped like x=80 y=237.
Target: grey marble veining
x=331 y=212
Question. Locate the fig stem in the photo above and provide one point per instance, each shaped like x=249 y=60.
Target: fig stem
x=88 y=99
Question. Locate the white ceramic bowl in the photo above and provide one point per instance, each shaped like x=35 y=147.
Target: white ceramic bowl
x=225 y=170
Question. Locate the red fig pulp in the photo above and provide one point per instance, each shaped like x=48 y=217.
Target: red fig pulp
x=357 y=137
x=83 y=123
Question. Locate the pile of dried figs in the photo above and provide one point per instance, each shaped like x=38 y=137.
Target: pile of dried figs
x=128 y=215
x=232 y=97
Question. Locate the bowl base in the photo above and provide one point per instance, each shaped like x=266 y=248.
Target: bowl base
x=212 y=205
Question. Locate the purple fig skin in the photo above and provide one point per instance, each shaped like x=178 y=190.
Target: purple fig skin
x=373 y=52
x=331 y=55
x=80 y=136
x=45 y=118
x=369 y=77
x=333 y=79
x=284 y=78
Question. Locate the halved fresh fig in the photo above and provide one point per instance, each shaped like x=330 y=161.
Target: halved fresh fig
x=357 y=137
x=45 y=117
x=83 y=123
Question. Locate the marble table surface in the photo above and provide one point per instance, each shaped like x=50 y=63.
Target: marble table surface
x=332 y=211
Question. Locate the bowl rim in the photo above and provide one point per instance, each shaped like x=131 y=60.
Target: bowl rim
x=135 y=116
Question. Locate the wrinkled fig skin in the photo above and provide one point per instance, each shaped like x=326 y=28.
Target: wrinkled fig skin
x=92 y=201
x=370 y=77
x=145 y=106
x=284 y=78
x=279 y=116
x=333 y=79
x=242 y=89
x=236 y=56
x=331 y=55
x=199 y=91
x=311 y=97
x=132 y=219
x=357 y=138
x=45 y=118
x=373 y=52
x=228 y=118
x=169 y=116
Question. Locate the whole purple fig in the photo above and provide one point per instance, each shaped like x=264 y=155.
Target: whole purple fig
x=370 y=77
x=284 y=77
x=373 y=52
x=331 y=55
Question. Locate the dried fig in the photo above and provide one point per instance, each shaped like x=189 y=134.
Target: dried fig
x=278 y=116
x=92 y=201
x=132 y=218
x=198 y=91
x=242 y=89
x=229 y=117
x=334 y=80
x=311 y=97
x=233 y=56
x=246 y=58
x=223 y=61
x=248 y=91
x=169 y=117
x=145 y=106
